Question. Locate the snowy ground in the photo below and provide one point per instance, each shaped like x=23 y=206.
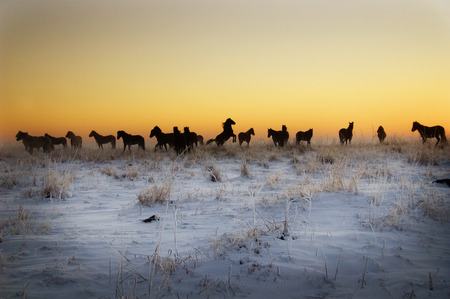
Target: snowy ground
x=330 y=221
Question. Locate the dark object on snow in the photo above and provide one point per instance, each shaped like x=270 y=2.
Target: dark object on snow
x=443 y=181
x=151 y=218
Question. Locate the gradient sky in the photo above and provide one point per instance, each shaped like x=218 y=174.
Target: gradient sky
x=131 y=65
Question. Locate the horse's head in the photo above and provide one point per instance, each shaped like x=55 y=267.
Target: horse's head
x=380 y=129
x=175 y=130
x=350 y=125
x=156 y=130
x=186 y=130
x=69 y=134
x=92 y=133
x=415 y=126
x=283 y=128
x=20 y=135
x=269 y=133
x=229 y=122
x=46 y=135
x=120 y=134
x=252 y=132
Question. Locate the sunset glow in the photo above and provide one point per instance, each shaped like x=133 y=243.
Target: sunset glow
x=131 y=65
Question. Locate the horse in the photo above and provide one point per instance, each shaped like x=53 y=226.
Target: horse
x=226 y=134
x=57 y=140
x=381 y=134
x=278 y=137
x=437 y=132
x=285 y=133
x=304 y=136
x=200 y=139
x=75 y=141
x=162 y=138
x=191 y=138
x=100 y=139
x=129 y=140
x=346 y=134
x=246 y=136
x=31 y=142
x=179 y=141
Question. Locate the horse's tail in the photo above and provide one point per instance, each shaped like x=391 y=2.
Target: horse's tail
x=444 y=139
x=210 y=140
x=113 y=142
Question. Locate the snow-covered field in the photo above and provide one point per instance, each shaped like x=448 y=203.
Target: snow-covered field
x=326 y=221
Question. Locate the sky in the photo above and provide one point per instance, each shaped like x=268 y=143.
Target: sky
x=130 y=65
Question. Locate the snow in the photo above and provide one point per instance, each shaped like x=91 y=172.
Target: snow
x=325 y=221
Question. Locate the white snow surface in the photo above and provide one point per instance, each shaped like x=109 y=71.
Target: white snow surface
x=326 y=221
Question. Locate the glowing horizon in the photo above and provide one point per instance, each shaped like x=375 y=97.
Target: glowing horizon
x=309 y=64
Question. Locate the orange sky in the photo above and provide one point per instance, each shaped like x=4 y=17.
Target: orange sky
x=131 y=65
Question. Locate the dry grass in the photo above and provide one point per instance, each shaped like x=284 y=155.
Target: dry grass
x=56 y=184
x=22 y=223
x=155 y=194
x=214 y=172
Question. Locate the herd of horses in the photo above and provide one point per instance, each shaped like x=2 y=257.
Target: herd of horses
x=185 y=141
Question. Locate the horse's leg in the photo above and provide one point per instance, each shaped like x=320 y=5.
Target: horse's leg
x=438 y=139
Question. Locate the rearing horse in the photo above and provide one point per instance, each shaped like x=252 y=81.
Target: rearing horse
x=437 y=132
x=226 y=134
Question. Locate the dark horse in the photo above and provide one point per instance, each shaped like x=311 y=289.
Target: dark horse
x=200 y=139
x=246 y=136
x=129 y=140
x=162 y=138
x=191 y=138
x=278 y=137
x=57 y=140
x=381 y=134
x=226 y=134
x=346 y=134
x=100 y=139
x=180 y=141
x=304 y=136
x=31 y=142
x=75 y=141
x=437 y=132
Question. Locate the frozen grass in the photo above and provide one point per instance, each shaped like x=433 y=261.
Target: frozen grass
x=364 y=220
x=154 y=195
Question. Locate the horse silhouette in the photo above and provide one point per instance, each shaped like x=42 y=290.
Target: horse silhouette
x=57 y=140
x=381 y=134
x=304 y=136
x=200 y=139
x=75 y=141
x=346 y=134
x=246 y=136
x=425 y=132
x=280 y=138
x=129 y=140
x=163 y=139
x=31 y=142
x=190 y=138
x=100 y=139
x=179 y=141
x=226 y=134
